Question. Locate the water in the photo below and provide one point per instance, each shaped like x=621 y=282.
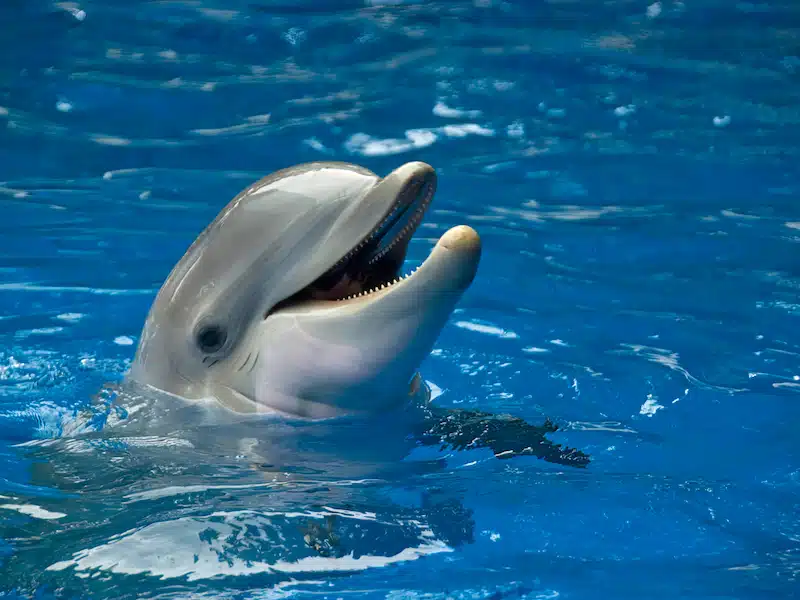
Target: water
x=632 y=168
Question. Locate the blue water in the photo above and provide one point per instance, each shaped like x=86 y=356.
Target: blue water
x=632 y=169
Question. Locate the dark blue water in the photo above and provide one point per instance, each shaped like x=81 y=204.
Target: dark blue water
x=632 y=169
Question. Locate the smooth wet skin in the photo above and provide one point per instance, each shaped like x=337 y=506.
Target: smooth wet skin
x=256 y=313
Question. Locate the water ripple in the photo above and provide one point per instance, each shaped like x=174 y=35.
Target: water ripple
x=632 y=171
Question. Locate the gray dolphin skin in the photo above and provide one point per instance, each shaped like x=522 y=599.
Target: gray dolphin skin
x=293 y=301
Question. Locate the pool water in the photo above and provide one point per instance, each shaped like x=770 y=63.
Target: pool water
x=632 y=170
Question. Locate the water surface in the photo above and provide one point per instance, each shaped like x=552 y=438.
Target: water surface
x=632 y=169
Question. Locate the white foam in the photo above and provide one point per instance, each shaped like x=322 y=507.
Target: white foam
x=722 y=121
x=366 y=145
x=515 y=130
x=179 y=490
x=466 y=129
x=654 y=10
x=70 y=317
x=38 y=331
x=315 y=144
x=254 y=124
x=110 y=140
x=789 y=385
x=37 y=512
x=624 y=111
x=174 y=549
x=650 y=406
x=487 y=329
x=440 y=109
x=415 y=139
x=50 y=418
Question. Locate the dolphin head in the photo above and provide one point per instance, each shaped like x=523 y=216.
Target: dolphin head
x=293 y=299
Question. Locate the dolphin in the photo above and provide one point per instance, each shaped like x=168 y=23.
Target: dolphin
x=293 y=300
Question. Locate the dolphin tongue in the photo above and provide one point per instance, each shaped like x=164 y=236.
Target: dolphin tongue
x=346 y=286
x=359 y=275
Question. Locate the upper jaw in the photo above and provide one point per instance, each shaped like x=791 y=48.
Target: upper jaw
x=377 y=257
x=412 y=187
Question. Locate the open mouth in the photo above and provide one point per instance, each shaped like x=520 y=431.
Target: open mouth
x=376 y=261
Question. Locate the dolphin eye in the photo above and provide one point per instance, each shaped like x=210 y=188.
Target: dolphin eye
x=211 y=338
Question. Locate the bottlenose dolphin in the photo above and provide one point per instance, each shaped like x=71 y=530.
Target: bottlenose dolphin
x=292 y=302
x=292 y=299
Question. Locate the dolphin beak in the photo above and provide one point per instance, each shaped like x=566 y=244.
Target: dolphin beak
x=413 y=186
x=407 y=191
x=373 y=267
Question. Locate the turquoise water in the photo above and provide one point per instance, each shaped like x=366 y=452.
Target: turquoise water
x=632 y=169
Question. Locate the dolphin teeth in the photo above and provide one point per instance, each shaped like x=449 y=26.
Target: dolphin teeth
x=412 y=224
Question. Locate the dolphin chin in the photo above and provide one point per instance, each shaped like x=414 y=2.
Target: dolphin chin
x=293 y=299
